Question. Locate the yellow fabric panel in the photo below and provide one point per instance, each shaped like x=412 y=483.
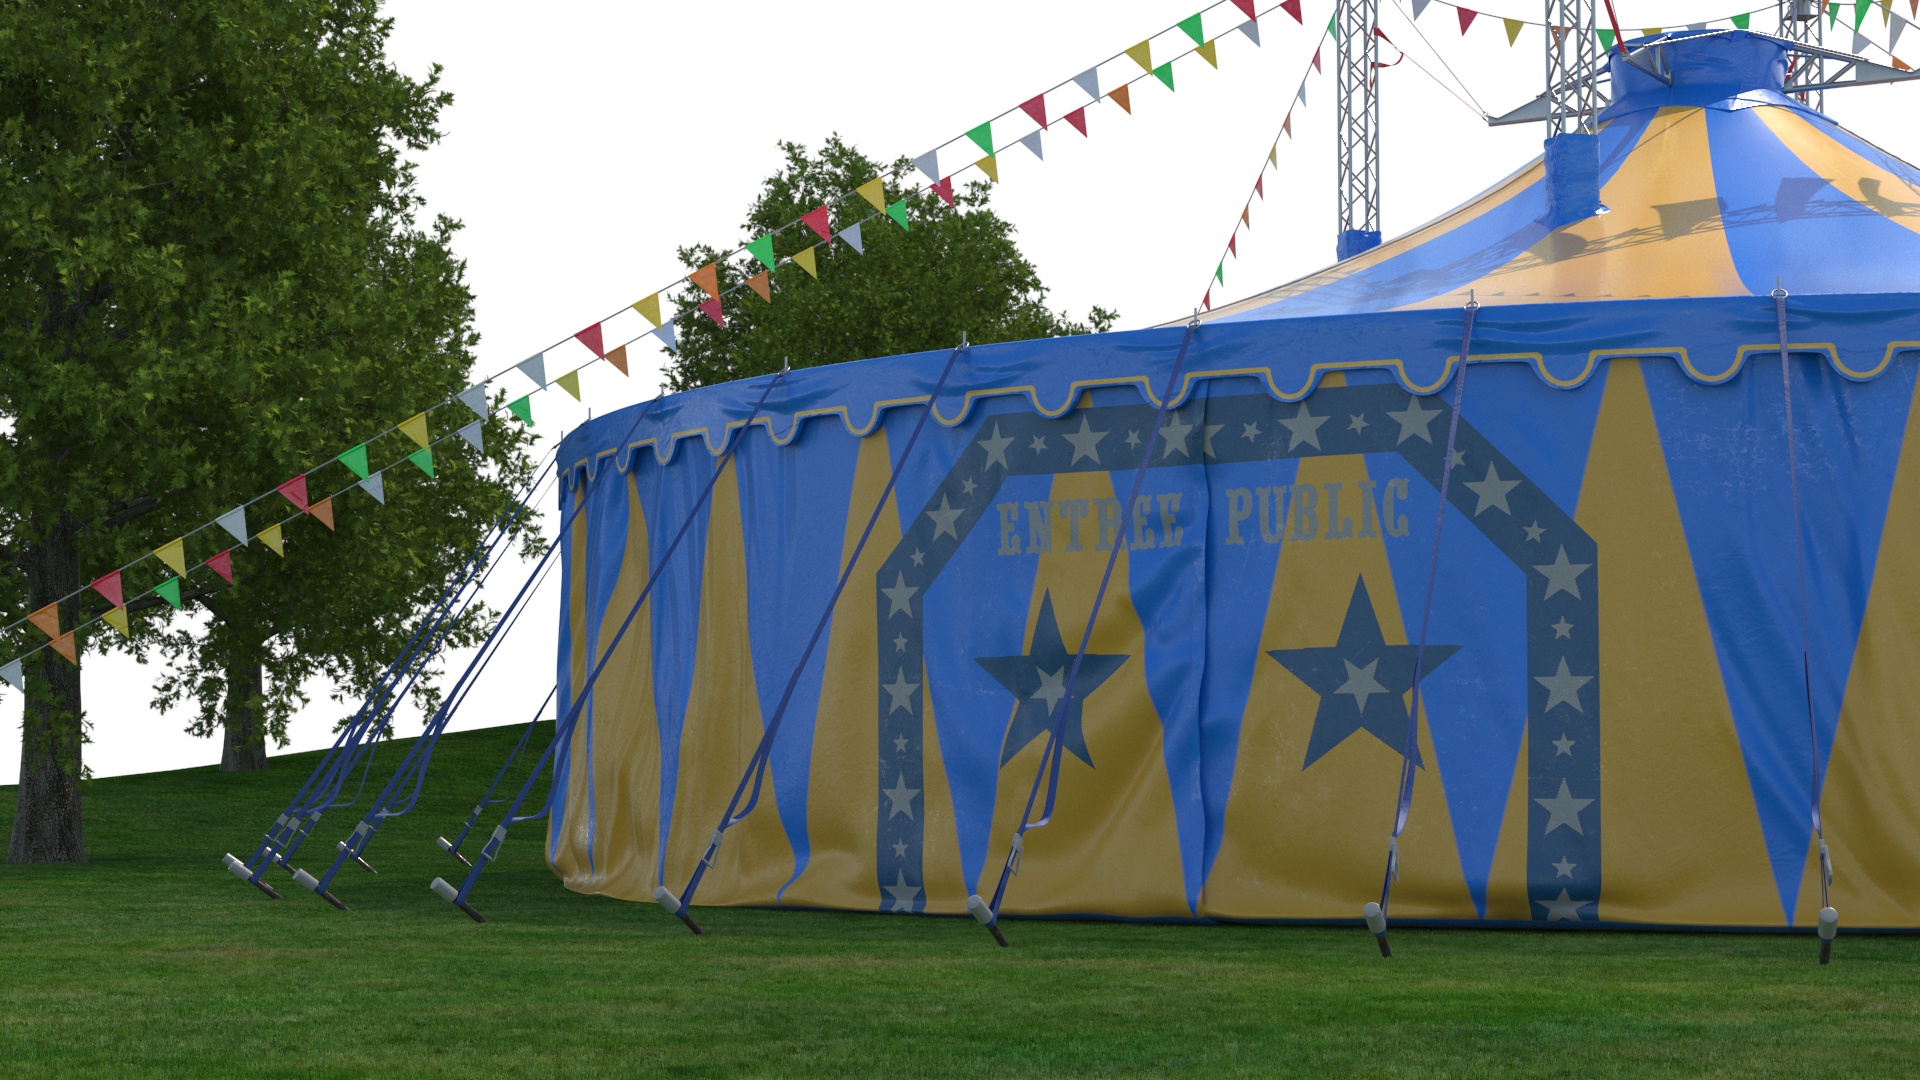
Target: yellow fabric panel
x=1681 y=842
x=1663 y=235
x=1507 y=879
x=1313 y=843
x=1113 y=846
x=722 y=728
x=1871 y=801
x=842 y=799
x=569 y=851
x=1852 y=174
x=941 y=876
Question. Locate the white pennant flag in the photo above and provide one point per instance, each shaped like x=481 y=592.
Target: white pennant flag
x=235 y=522
x=1893 y=33
x=1032 y=142
x=11 y=673
x=1420 y=6
x=1089 y=81
x=666 y=335
x=1251 y=28
x=535 y=367
x=851 y=234
x=1860 y=43
x=1303 y=93
x=376 y=486
x=929 y=163
x=475 y=397
x=471 y=433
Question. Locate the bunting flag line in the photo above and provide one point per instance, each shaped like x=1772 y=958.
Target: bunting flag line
x=817 y=221
x=804 y=259
x=590 y=337
x=235 y=520
x=296 y=492
x=533 y=367
x=711 y=309
x=110 y=588
x=762 y=249
x=762 y=286
x=322 y=512
x=47 y=620
x=649 y=309
x=475 y=397
x=423 y=459
x=875 y=192
x=376 y=486
x=221 y=564
x=474 y=436
x=1032 y=143
x=851 y=234
x=116 y=617
x=617 y=357
x=570 y=382
x=169 y=590
x=520 y=407
x=174 y=554
x=708 y=278
x=271 y=537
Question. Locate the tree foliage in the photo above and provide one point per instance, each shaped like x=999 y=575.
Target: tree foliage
x=956 y=271
x=214 y=275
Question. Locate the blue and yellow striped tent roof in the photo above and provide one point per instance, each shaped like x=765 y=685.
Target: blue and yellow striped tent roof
x=1719 y=185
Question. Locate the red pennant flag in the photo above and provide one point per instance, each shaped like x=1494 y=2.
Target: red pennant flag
x=711 y=309
x=1291 y=7
x=1467 y=16
x=1382 y=35
x=1121 y=98
x=1260 y=188
x=708 y=279
x=1207 y=300
x=1231 y=249
x=109 y=587
x=944 y=189
x=590 y=337
x=1246 y=8
x=296 y=492
x=762 y=285
x=816 y=220
x=323 y=512
x=1316 y=60
x=1078 y=118
x=1286 y=126
x=222 y=564
x=1036 y=107
x=47 y=619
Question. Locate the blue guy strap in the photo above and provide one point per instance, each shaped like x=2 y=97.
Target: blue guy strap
x=757 y=765
x=988 y=914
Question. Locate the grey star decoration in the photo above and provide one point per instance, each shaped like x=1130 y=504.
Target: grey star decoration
x=1037 y=681
x=1564 y=809
x=1492 y=491
x=996 y=447
x=1563 y=576
x=1086 y=442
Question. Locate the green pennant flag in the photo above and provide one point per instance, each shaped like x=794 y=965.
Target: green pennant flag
x=1333 y=26
x=1860 y=13
x=1220 y=272
x=982 y=137
x=1191 y=24
x=1740 y=21
x=1833 y=13
x=762 y=249
x=1606 y=40
x=169 y=590
x=1165 y=73
x=423 y=458
x=356 y=459
x=523 y=408
x=898 y=212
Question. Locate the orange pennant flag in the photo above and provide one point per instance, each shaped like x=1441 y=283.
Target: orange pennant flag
x=618 y=358
x=47 y=619
x=64 y=646
x=1243 y=216
x=323 y=510
x=762 y=285
x=708 y=279
x=1121 y=98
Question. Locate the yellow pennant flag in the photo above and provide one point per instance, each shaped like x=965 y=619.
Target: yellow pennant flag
x=990 y=167
x=174 y=554
x=1207 y=53
x=1143 y=55
x=1513 y=30
x=649 y=307
x=270 y=536
x=1273 y=152
x=570 y=382
x=874 y=192
x=1652 y=30
x=117 y=618
x=416 y=428
x=804 y=259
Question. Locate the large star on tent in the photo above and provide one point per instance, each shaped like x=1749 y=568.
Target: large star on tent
x=1362 y=681
x=1038 y=681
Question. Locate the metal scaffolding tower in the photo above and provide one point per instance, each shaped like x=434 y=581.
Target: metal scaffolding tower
x=1357 y=152
x=1802 y=21
x=1573 y=67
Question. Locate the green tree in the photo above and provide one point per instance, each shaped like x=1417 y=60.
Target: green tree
x=211 y=274
x=955 y=270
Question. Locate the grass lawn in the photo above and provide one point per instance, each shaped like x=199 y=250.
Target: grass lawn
x=151 y=960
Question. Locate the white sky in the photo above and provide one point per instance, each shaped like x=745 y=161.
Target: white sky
x=587 y=140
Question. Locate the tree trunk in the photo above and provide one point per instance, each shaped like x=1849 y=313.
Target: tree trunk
x=46 y=820
x=244 y=734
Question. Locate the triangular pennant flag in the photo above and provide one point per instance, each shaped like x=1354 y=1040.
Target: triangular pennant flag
x=474 y=398
x=1191 y=24
x=323 y=513
x=47 y=619
x=988 y=165
x=109 y=587
x=1142 y=54
x=1833 y=13
x=1292 y=7
x=235 y=520
x=898 y=211
x=522 y=407
x=1246 y=8
x=64 y=646
x=1089 y=81
x=1207 y=300
x=376 y=486
x=851 y=234
x=570 y=382
x=762 y=285
x=1078 y=118
x=1860 y=13
x=422 y=459
x=415 y=426
x=1740 y=22
x=928 y=163
x=1466 y=16
x=533 y=367
x=1036 y=107
x=1901 y=65
x=982 y=136
x=1301 y=95
x=1513 y=30
x=1260 y=187
x=590 y=337
x=169 y=590
x=174 y=554
x=1208 y=53
x=1893 y=39
x=816 y=219
x=1220 y=272
x=1165 y=73
x=1252 y=30
x=1559 y=32
x=1032 y=143
x=649 y=307
x=354 y=459
x=270 y=536
x=1606 y=39
x=1860 y=43
x=875 y=192
x=296 y=490
x=1232 y=249
x=1122 y=97
x=1652 y=31
x=762 y=249
x=711 y=309
x=11 y=672
x=804 y=259
x=1420 y=6
x=668 y=336
x=1316 y=61
x=1273 y=152
x=475 y=436
x=618 y=358
x=1244 y=220
x=116 y=617
x=944 y=188
x=1333 y=26
x=708 y=278
x=222 y=563
x=1286 y=128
